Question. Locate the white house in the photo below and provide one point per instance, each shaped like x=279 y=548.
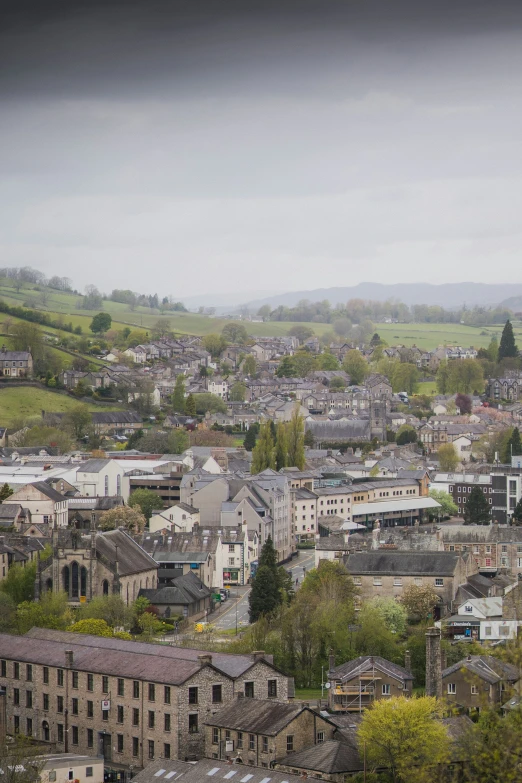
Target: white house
x=180 y=518
x=137 y=354
x=46 y=505
x=493 y=627
x=101 y=478
x=66 y=767
x=463 y=447
x=154 y=395
x=218 y=386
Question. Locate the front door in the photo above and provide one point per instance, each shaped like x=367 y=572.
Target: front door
x=105 y=746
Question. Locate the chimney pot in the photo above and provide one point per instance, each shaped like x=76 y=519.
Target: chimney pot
x=205 y=660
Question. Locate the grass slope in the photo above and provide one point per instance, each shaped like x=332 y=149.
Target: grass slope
x=20 y=402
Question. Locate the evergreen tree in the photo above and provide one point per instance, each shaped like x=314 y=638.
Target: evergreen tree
x=507 y=348
x=190 y=405
x=263 y=455
x=493 y=349
x=514 y=444
x=251 y=437
x=517 y=514
x=477 y=510
x=281 y=449
x=178 y=396
x=5 y=492
x=264 y=596
x=295 y=438
x=268 y=556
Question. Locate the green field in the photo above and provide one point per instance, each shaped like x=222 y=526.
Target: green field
x=65 y=305
x=20 y=402
x=427 y=387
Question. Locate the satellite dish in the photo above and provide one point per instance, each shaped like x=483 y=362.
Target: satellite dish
x=327 y=685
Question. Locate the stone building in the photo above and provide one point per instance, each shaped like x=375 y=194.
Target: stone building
x=16 y=364
x=263 y=731
x=131 y=702
x=355 y=685
x=479 y=681
x=96 y=564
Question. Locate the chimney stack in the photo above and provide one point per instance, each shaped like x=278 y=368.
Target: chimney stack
x=69 y=659
x=205 y=660
x=407 y=661
x=433 y=663
x=258 y=655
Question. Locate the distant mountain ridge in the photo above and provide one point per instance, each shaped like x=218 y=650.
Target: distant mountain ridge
x=447 y=295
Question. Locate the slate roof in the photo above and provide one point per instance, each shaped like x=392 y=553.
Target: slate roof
x=131 y=557
x=51 y=493
x=258 y=716
x=93 y=465
x=402 y=562
x=230 y=664
x=183 y=590
x=350 y=669
x=486 y=667
x=116 y=417
x=10 y=510
x=172 y=771
x=330 y=757
x=351 y=429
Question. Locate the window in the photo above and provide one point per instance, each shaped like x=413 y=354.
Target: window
x=377 y=581
x=215 y=736
x=193 y=723
x=105 y=715
x=45 y=675
x=272 y=689
x=249 y=690
x=59 y=731
x=357 y=580
x=397 y=581
x=439 y=582
x=90 y=738
x=29 y=699
x=264 y=746
x=474 y=690
x=90 y=709
x=452 y=688
x=166 y=750
x=16 y=697
x=119 y=716
x=151 y=719
x=320 y=737
x=136 y=689
x=468 y=608
x=90 y=682
x=503 y=630
x=217 y=695
x=166 y=694
x=29 y=673
x=75 y=706
x=231 y=547
x=59 y=677
x=135 y=746
x=135 y=717
x=166 y=721
x=289 y=743
x=59 y=704
x=16 y=671
x=105 y=684
x=151 y=749
x=29 y=727
x=16 y=719
x=192 y=695
x=386 y=689
x=240 y=739
x=487 y=630
x=45 y=702
x=74 y=735
x=88 y=772
x=152 y=692
x=251 y=741
x=231 y=561
x=119 y=743
x=121 y=687
x=52 y=776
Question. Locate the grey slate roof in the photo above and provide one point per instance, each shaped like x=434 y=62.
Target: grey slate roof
x=183 y=591
x=172 y=771
x=364 y=663
x=488 y=668
x=131 y=557
x=258 y=716
x=402 y=562
x=93 y=465
x=51 y=493
x=330 y=757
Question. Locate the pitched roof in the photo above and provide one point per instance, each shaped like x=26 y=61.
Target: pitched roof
x=402 y=562
x=93 y=465
x=330 y=757
x=183 y=590
x=130 y=555
x=258 y=716
x=364 y=663
x=51 y=493
x=486 y=667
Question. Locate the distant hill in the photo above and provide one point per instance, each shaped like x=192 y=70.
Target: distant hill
x=513 y=303
x=447 y=295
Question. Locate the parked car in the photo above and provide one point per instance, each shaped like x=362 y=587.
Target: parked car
x=224 y=594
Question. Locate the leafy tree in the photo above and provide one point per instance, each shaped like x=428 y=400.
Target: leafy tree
x=337 y=383
x=51 y=611
x=91 y=626
x=327 y=361
x=21 y=759
x=263 y=454
x=26 y=336
x=127 y=517
x=342 y=327
x=406 y=378
x=477 y=510
x=249 y=366
x=215 y=344
x=304 y=363
x=448 y=507
x=251 y=436
x=465 y=376
x=517 y=513
x=101 y=323
x=207 y=402
x=404 y=736
x=491 y=747
x=514 y=445
x=442 y=378
x=281 y=447
x=301 y=332
x=46 y=436
x=463 y=403
x=109 y=608
x=235 y=333
x=238 y=392
x=178 y=395
x=5 y=492
x=190 y=405
x=264 y=596
x=507 y=348
x=406 y=434
x=146 y=500
x=264 y=311
x=419 y=601
x=7 y=612
x=448 y=457
x=78 y=420
x=394 y=615
x=295 y=431
x=356 y=366
x=19 y=582
x=373 y=636
x=286 y=368
x=178 y=441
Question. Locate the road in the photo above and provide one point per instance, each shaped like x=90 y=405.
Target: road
x=237 y=603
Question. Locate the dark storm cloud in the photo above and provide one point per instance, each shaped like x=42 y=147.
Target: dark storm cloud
x=272 y=145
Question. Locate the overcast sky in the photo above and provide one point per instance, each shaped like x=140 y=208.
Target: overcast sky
x=253 y=146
